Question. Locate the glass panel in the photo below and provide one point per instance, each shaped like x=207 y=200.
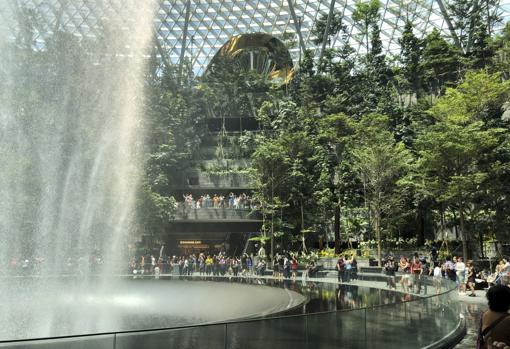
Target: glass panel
x=389 y=325
x=268 y=334
x=327 y=330
x=96 y=342
x=210 y=337
x=339 y=329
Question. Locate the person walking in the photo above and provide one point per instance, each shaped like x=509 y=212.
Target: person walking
x=470 y=277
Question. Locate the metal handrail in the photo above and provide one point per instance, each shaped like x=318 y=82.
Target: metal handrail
x=241 y=321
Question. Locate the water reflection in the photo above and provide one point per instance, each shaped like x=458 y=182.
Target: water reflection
x=325 y=296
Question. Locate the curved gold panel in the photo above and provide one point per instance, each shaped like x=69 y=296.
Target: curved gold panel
x=282 y=67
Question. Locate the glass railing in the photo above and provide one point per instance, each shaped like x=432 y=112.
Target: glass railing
x=404 y=321
x=187 y=212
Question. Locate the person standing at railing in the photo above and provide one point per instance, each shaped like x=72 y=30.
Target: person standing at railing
x=235 y=266
x=142 y=264
x=294 y=267
x=449 y=269
x=340 y=267
x=348 y=268
x=276 y=266
x=354 y=268
x=286 y=266
x=249 y=264
x=390 y=267
x=437 y=277
x=153 y=264
x=404 y=266
x=416 y=271
x=222 y=263
x=460 y=270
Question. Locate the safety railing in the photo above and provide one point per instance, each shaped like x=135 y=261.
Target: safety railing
x=432 y=321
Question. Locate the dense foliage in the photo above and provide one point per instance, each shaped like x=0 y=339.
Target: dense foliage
x=356 y=147
x=369 y=146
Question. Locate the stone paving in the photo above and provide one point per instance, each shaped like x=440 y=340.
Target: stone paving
x=472 y=308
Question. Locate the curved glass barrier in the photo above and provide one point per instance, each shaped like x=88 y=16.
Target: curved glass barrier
x=335 y=316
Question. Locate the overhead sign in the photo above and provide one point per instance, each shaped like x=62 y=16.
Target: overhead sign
x=190 y=242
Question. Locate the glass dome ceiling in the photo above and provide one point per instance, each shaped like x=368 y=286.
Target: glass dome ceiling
x=196 y=29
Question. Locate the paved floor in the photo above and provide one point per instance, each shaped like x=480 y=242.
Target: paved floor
x=472 y=308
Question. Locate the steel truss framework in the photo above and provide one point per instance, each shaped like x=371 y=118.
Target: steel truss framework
x=194 y=30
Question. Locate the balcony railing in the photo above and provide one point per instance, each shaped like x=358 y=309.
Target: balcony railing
x=185 y=212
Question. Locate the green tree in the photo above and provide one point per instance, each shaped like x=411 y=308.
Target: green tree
x=410 y=55
x=366 y=14
x=440 y=64
x=380 y=162
x=501 y=58
x=336 y=26
x=451 y=151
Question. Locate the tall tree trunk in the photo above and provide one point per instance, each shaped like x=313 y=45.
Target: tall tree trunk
x=463 y=233
x=337 y=226
x=443 y=229
x=303 y=227
x=480 y=240
x=377 y=228
x=420 y=223
x=272 y=216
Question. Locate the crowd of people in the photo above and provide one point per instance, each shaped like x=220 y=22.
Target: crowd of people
x=283 y=266
x=203 y=264
x=465 y=275
x=347 y=267
x=232 y=201
x=30 y=265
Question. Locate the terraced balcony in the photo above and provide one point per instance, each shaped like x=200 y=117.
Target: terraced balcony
x=211 y=152
x=225 y=164
x=185 y=213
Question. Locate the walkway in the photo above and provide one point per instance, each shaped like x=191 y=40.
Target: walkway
x=472 y=308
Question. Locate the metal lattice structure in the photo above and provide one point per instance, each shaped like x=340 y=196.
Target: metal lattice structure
x=194 y=30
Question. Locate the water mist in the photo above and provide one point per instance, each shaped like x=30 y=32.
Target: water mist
x=71 y=138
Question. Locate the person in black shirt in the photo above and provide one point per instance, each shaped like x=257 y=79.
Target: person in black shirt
x=390 y=268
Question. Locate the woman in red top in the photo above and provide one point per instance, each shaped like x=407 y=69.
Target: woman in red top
x=416 y=270
x=404 y=268
x=293 y=267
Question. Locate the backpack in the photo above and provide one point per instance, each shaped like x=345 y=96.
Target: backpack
x=481 y=343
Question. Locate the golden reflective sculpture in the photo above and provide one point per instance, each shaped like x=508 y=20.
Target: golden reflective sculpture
x=276 y=60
